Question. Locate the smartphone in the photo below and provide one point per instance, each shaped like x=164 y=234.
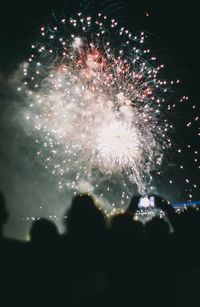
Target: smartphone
x=143 y=202
x=146 y=202
x=152 y=201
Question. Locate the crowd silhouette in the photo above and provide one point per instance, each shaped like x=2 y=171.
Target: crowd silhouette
x=100 y=262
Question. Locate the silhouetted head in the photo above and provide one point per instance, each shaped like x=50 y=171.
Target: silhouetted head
x=43 y=232
x=84 y=219
x=124 y=227
x=157 y=229
x=189 y=222
x=3 y=212
x=122 y=224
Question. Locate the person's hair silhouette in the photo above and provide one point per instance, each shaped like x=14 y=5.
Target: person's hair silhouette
x=44 y=232
x=84 y=219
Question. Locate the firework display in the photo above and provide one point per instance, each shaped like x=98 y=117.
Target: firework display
x=97 y=105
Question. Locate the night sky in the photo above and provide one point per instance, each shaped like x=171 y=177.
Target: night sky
x=173 y=32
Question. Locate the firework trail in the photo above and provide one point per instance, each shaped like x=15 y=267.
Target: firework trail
x=97 y=107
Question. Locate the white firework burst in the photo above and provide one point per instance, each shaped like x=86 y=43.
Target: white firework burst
x=118 y=145
x=95 y=103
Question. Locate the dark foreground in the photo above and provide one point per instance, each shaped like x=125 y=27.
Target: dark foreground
x=101 y=263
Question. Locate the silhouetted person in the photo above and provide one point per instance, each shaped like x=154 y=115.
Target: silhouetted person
x=84 y=219
x=157 y=230
x=85 y=253
x=46 y=262
x=43 y=233
x=189 y=224
x=123 y=227
x=185 y=279
x=128 y=251
x=13 y=265
x=160 y=251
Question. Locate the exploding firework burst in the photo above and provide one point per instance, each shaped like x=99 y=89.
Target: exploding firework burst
x=118 y=145
x=98 y=107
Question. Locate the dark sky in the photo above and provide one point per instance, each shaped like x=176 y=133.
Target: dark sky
x=173 y=27
x=175 y=23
